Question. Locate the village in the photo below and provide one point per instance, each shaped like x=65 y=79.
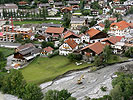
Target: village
x=48 y=39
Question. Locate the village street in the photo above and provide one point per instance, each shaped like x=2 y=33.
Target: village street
x=91 y=85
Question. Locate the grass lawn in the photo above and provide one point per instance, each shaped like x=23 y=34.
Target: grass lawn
x=36 y=22
x=45 y=69
x=7 y=51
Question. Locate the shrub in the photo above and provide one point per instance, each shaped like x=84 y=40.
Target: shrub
x=93 y=68
x=74 y=57
x=103 y=88
x=54 y=54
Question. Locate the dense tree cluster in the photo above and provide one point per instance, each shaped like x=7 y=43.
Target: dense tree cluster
x=58 y=95
x=14 y=83
x=2 y=60
x=73 y=56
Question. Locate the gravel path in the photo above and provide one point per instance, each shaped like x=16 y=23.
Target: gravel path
x=91 y=85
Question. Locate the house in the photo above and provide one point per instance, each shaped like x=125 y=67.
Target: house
x=84 y=38
x=128 y=2
x=25 y=53
x=94 y=12
x=22 y=3
x=92 y=50
x=55 y=32
x=30 y=36
x=71 y=35
x=22 y=30
x=106 y=10
x=73 y=2
x=7 y=36
x=96 y=35
x=69 y=46
x=42 y=5
x=118 y=48
x=87 y=6
x=120 y=10
x=120 y=28
x=116 y=2
x=46 y=51
x=66 y=9
x=52 y=12
x=75 y=22
x=58 y=4
x=112 y=20
x=100 y=26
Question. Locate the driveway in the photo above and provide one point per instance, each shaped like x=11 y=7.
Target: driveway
x=9 y=62
x=91 y=85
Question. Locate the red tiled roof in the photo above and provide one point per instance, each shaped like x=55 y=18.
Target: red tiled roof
x=48 y=49
x=112 y=19
x=55 y=30
x=100 y=24
x=96 y=47
x=116 y=0
x=1 y=34
x=121 y=25
x=131 y=25
x=69 y=33
x=71 y=43
x=113 y=39
x=67 y=8
x=92 y=32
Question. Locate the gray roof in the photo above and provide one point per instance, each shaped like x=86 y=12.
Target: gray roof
x=44 y=5
x=58 y=3
x=78 y=20
x=51 y=25
x=73 y=2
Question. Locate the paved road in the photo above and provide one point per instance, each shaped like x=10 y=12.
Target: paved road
x=91 y=82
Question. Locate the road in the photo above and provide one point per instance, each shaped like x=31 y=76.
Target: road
x=91 y=85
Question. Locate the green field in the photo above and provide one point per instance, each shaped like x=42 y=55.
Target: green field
x=7 y=51
x=37 y=22
x=46 y=69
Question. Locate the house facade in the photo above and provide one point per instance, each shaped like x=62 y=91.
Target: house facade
x=119 y=29
x=69 y=46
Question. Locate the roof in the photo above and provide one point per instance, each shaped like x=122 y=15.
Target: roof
x=69 y=33
x=22 y=2
x=77 y=20
x=71 y=43
x=92 y=32
x=48 y=49
x=102 y=25
x=122 y=8
x=121 y=25
x=131 y=25
x=112 y=19
x=51 y=25
x=22 y=47
x=96 y=47
x=1 y=34
x=113 y=39
x=54 y=30
x=116 y=0
x=67 y=8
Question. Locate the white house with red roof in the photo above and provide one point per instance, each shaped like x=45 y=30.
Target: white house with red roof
x=46 y=51
x=72 y=35
x=120 y=10
x=84 y=38
x=92 y=50
x=69 y=46
x=121 y=28
x=96 y=35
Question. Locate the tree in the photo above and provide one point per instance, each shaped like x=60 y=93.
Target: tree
x=73 y=56
x=46 y=44
x=123 y=87
x=13 y=83
x=107 y=52
x=66 y=19
x=95 y=5
x=32 y=92
x=129 y=52
x=107 y=24
x=81 y=5
x=44 y=13
x=93 y=22
x=98 y=60
x=2 y=60
x=83 y=29
x=86 y=12
x=58 y=95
